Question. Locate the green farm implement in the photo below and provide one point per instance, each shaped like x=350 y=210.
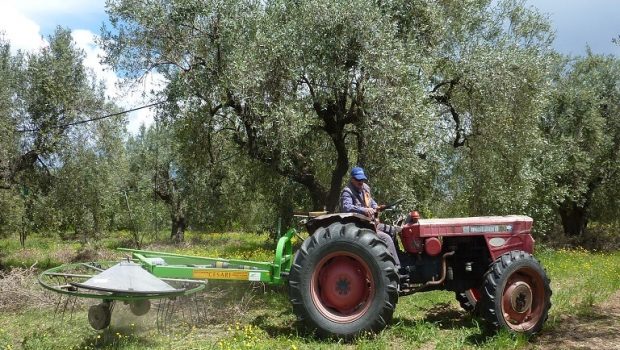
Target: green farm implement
x=151 y=275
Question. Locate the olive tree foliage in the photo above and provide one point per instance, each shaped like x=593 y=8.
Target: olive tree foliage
x=55 y=90
x=44 y=161
x=225 y=189
x=209 y=184
x=484 y=67
x=11 y=208
x=311 y=88
x=144 y=212
x=85 y=192
x=169 y=185
x=581 y=126
x=489 y=85
x=289 y=83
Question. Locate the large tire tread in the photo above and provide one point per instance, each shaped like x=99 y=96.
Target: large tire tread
x=348 y=236
x=468 y=303
x=490 y=310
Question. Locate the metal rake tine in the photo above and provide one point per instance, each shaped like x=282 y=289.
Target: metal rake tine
x=194 y=306
x=161 y=313
x=182 y=309
x=169 y=312
x=72 y=307
x=57 y=308
x=64 y=308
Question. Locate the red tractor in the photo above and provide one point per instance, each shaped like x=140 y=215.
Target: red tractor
x=344 y=282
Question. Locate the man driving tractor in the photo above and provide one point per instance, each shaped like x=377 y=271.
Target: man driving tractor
x=356 y=198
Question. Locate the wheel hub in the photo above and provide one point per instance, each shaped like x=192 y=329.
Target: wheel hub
x=523 y=300
x=342 y=287
x=342 y=284
x=520 y=297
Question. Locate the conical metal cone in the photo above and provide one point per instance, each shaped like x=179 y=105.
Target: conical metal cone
x=127 y=278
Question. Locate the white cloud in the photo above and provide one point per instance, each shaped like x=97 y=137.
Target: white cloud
x=22 y=32
x=139 y=118
x=85 y=40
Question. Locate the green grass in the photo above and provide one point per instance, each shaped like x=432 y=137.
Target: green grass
x=580 y=279
x=40 y=251
x=239 y=315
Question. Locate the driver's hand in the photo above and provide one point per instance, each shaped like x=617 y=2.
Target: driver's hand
x=381 y=207
x=370 y=212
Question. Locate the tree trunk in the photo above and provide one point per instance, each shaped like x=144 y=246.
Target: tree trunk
x=177 y=233
x=10 y=169
x=177 y=216
x=361 y=147
x=574 y=218
x=340 y=170
x=166 y=189
x=317 y=196
x=22 y=233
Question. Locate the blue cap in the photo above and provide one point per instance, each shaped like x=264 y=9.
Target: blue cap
x=358 y=173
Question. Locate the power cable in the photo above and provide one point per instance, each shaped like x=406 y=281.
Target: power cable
x=94 y=119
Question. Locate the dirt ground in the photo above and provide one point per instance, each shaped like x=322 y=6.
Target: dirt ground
x=597 y=330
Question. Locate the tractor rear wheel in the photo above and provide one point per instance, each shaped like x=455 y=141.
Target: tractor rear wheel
x=516 y=294
x=343 y=282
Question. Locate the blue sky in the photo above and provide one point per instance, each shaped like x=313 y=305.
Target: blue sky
x=581 y=22
x=577 y=23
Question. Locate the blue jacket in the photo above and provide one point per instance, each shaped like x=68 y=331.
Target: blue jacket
x=352 y=200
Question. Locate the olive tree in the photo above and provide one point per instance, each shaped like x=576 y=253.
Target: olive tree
x=288 y=82
x=581 y=126
x=55 y=90
x=11 y=208
x=50 y=90
x=45 y=97
x=310 y=88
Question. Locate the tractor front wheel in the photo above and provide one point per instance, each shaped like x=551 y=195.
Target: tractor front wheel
x=343 y=282
x=516 y=294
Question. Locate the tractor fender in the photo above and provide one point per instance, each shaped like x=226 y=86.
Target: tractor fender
x=343 y=218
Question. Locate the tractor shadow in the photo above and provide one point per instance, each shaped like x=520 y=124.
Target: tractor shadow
x=442 y=316
x=292 y=328
x=445 y=316
x=287 y=326
x=592 y=332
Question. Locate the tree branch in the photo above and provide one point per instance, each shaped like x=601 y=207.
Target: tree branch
x=445 y=99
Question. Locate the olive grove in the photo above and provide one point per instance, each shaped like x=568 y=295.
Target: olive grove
x=461 y=108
